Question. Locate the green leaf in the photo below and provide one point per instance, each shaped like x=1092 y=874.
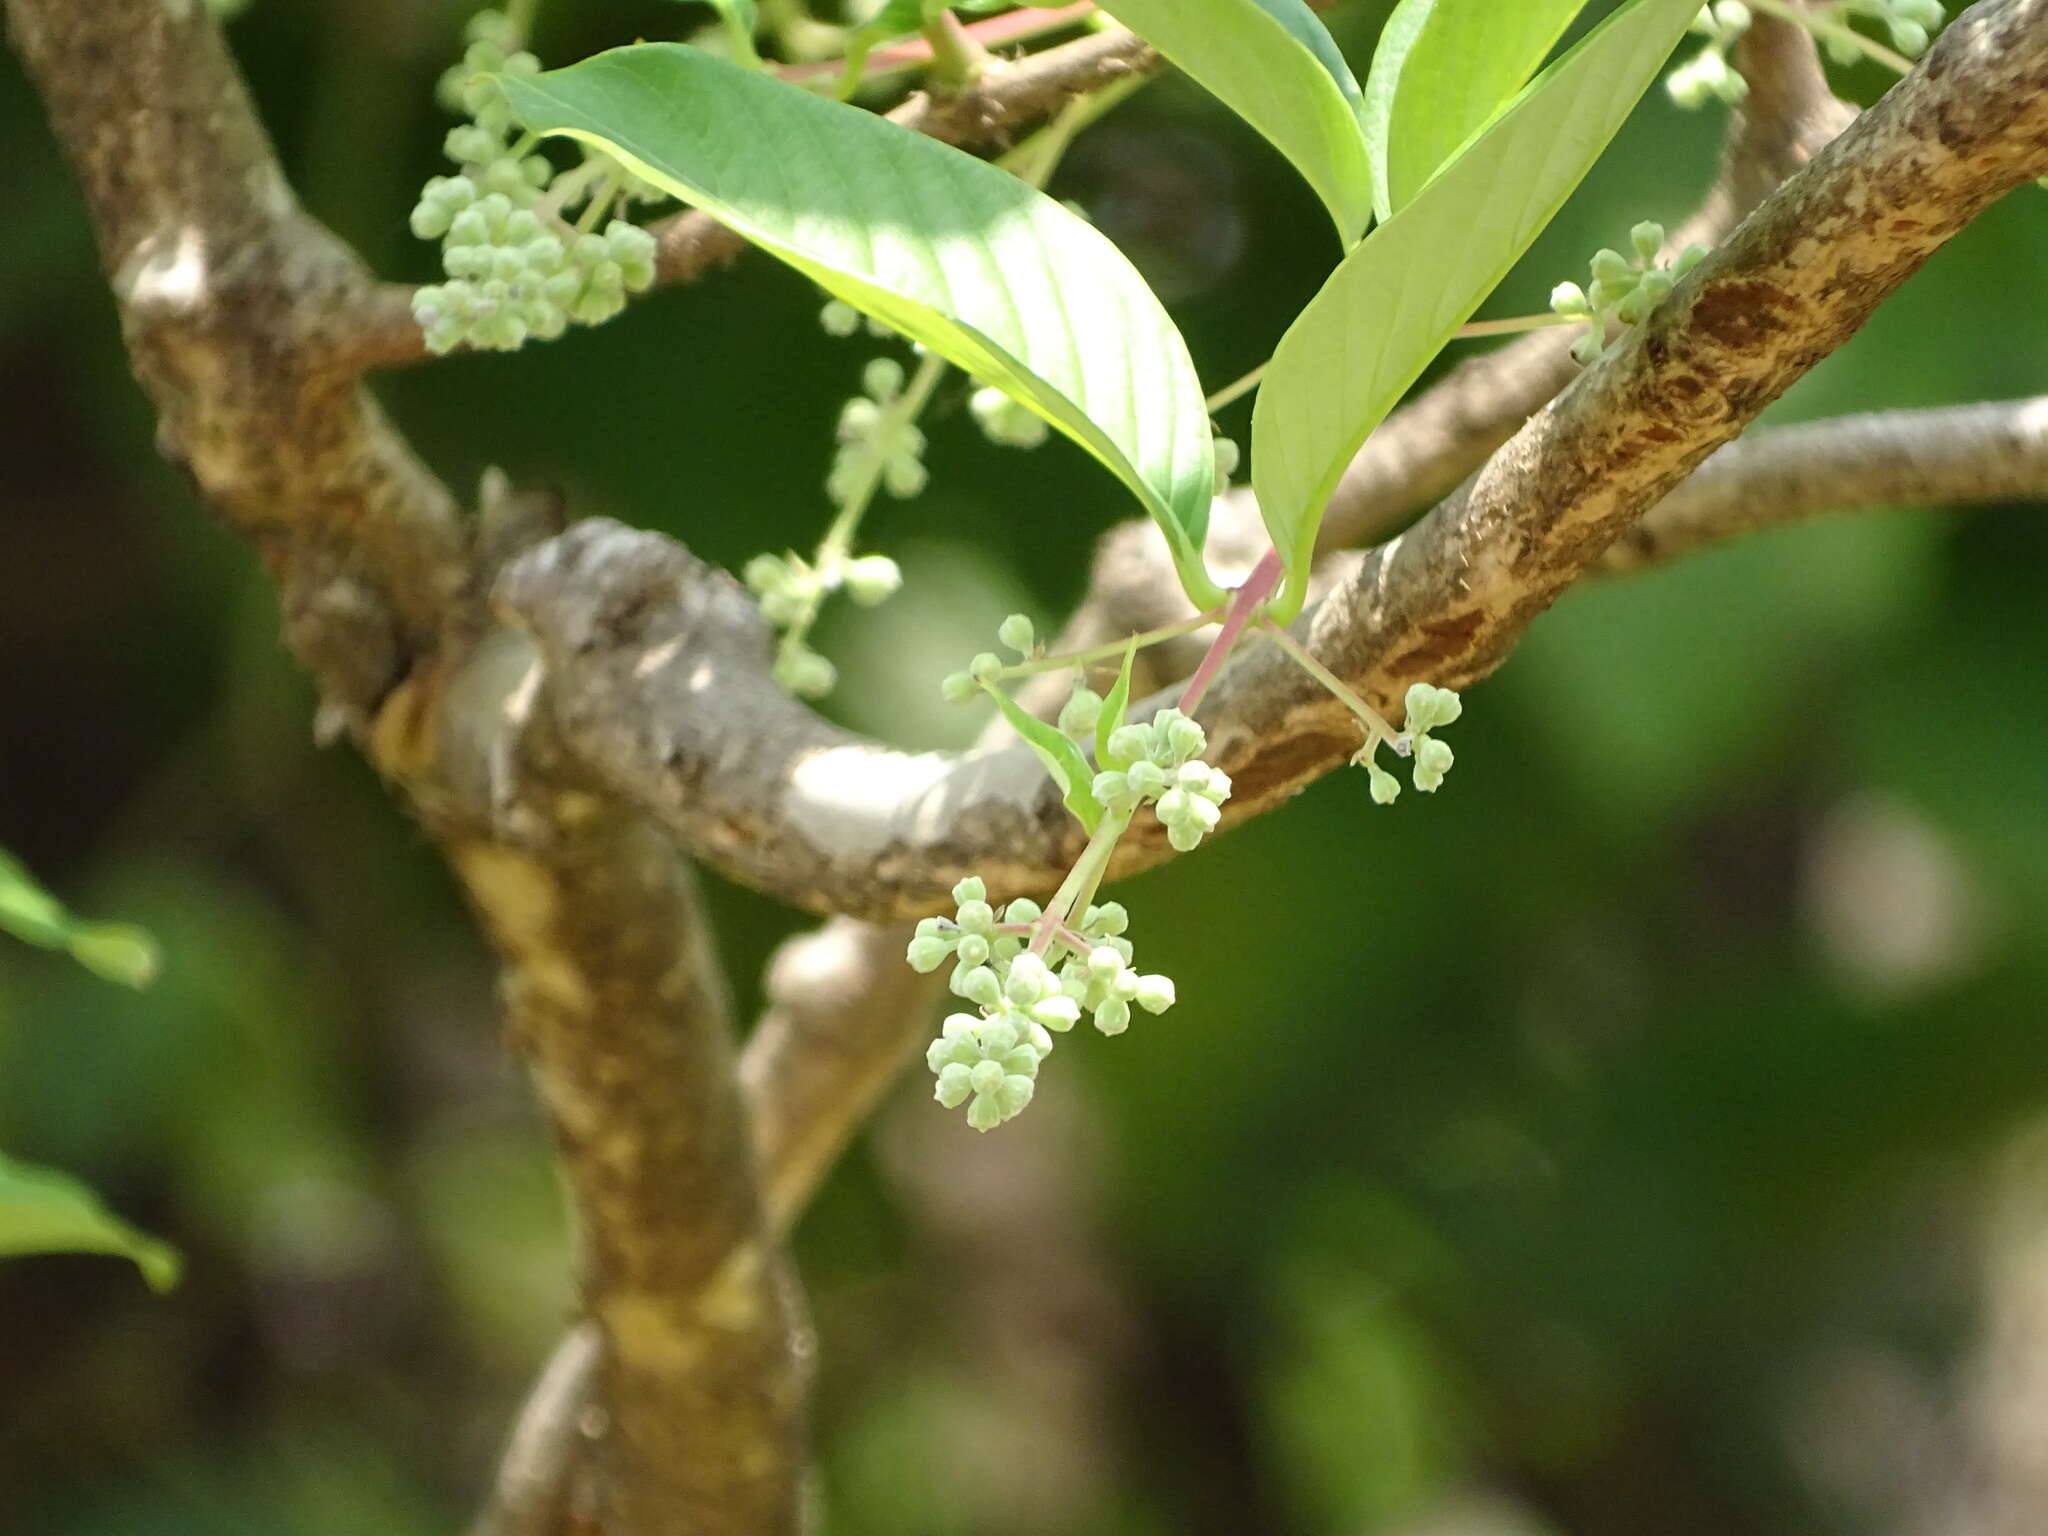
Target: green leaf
x=118 y=952
x=1442 y=68
x=993 y=276
x=1274 y=64
x=1115 y=707
x=1393 y=303
x=1061 y=756
x=43 y=1211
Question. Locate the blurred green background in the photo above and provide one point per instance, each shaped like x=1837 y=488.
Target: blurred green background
x=1644 y=1136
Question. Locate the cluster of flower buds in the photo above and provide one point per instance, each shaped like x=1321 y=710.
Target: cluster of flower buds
x=1708 y=74
x=1622 y=289
x=1428 y=708
x=790 y=589
x=989 y=1061
x=876 y=437
x=1228 y=456
x=515 y=271
x=1159 y=763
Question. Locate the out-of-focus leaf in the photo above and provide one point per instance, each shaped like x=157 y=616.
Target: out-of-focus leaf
x=43 y=1211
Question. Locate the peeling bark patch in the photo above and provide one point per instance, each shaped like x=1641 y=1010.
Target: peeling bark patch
x=1739 y=315
x=1444 y=640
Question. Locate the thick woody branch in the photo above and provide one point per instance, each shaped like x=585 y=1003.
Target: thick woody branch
x=232 y=302
x=995 y=110
x=657 y=666
x=1955 y=456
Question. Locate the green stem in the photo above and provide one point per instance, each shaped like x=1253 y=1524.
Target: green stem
x=838 y=541
x=1239 y=387
x=957 y=59
x=519 y=16
x=1039 y=156
x=1142 y=639
x=1821 y=25
x=1082 y=881
x=600 y=204
x=1375 y=723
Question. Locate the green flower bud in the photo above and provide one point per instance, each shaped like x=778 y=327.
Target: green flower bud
x=1109 y=919
x=1147 y=779
x=1610 y=266
x=1430 y=708
x=1028 y=981
x=1605 y=296
x=806 y=674
x=972 y=949
x=952 y=1086
x=959 y=687
x=1432 y=761
x=765 y=573
x=1023 y=910
x=1385 y=787
x=1006 y=422
x=977 y=917
x=1104 y=963
x=872 y=579
x=977 y=985
x=986 y=667
x=1648 y=239
x=1909 y=37
x=1733 y=18
x=1130 y=743
x=1569 y=299
x=1017 y=633
x=1656 y=286
x=1633 y=307
x=1112 y=789
x=1155 y=993
x=839 y=318
x=985 y=1076
x=1058 y=1012
x=1228 y=457
x=1113 y=1017
x=882 y=378
x=1079 y=714
x=927 y=953
x=973 y=888
x=1184 y=738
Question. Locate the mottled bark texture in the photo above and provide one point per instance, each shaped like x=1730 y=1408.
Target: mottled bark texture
x=238 y=312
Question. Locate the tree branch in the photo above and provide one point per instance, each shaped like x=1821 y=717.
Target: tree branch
x=657 y=666
x=1953 y=456
x=231 y=302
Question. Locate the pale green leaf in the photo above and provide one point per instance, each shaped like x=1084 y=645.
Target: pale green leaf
x=43 y=1211
x=1275 y=65
x=1393 y=303
x=1115 y=707
x=993 y=276
x=1060 y=755
x=1442 y=68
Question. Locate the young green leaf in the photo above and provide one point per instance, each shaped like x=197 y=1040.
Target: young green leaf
x=1394 y=302
x=1440 y=71
x=1114 y=708
x=993 y=276
x=1061 y=756
x=43 y=1211
x=1275 y=65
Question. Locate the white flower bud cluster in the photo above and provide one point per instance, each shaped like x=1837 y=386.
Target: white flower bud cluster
x=1005 y=422
x=1162 y=766
x=1428 y=709
x=1622 y=289
x=1708 y=74
x=873 y=437
x=990 y=1061
x=790 y=589
x=514 y=270
x=841 y=319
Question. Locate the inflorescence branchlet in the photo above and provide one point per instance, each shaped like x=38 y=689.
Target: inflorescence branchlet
x=515 y=269
x=1029 y=981
x=1428 y=710
x=1708 y=75
x=1623 y=288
